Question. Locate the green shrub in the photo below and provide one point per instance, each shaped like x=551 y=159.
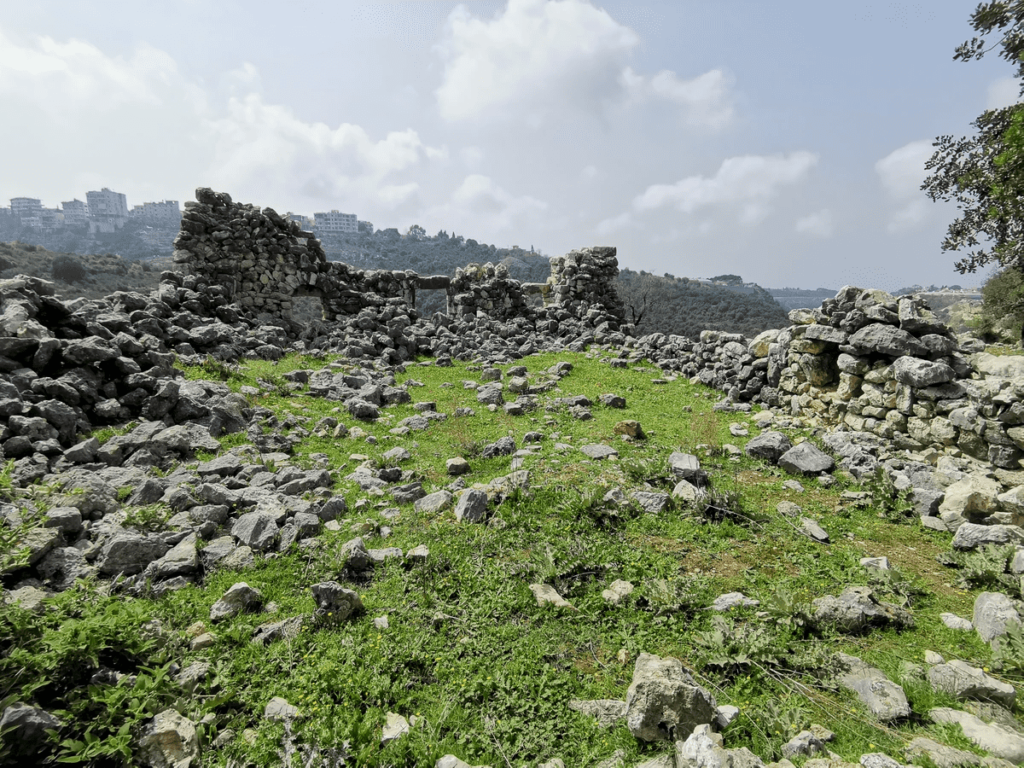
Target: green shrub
x=68 y=269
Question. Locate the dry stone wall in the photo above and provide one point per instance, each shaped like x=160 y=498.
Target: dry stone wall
x=262 y=262
x=866 y=361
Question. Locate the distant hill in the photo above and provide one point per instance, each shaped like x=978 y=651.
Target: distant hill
x=686 y=307
x=102 y=274
x=801 y=298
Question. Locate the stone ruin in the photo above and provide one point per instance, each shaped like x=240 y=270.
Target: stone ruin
x=263 y=262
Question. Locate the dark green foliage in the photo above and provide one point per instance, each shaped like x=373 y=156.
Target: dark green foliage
x=892 y=504
x=729 y=279
x=68 y=269
x=1002 y=304
x=986 y=173
x=686 y=307
x=985 y=568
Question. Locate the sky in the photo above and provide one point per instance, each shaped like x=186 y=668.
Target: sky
x=782 y=141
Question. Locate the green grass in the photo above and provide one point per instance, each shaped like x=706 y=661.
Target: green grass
x=468 y=650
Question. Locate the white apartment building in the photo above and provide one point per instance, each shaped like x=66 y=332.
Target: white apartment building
x=108 y=211
x=75 y=212
x=165 y=213
x=50 y=218
x=26 y=207
x=334 y=221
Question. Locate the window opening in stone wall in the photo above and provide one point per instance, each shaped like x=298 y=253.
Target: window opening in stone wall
x=307 y=310
x=431 y=300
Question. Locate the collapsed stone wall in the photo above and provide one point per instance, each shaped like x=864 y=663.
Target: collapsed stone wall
x=262 y=262
x=866 y=361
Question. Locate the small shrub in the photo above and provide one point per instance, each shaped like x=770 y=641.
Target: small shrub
x=68 y=269
x=892 y=504
x=985 y=568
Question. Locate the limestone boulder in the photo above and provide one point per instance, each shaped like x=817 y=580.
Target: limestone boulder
x=664 y=702
x=885 y=699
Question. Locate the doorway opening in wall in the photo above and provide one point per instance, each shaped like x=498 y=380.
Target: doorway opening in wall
x=431 y=300
x=308 y=311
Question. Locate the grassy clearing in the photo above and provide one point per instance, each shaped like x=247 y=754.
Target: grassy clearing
x=485 y=670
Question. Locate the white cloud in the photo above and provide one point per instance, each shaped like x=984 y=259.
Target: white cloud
x=614 y=224
x=588 y=173
x=266 y=144
x=1004 y=92
x=395 y=195
x=706 y=97
x=534 y=53
x=482 y=205
x=901 y=174
x=751 y=179
x=819 y=224
x=538 y=57
x=57 y=77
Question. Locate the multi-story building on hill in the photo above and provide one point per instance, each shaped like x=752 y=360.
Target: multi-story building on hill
x=75 y=212
x=334 y=221
x=26 y=207
x=108 y=211
x=166 y=213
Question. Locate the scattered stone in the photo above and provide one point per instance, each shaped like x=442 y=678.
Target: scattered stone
x=993 y=611
x=546 y=594
x=395 y=727
x=238 y=599
x=457 y=466
x=169 y=740
x=856 y=609
x=664 y=702
x=472 y=507
x=617 y=591
x=884 y=698
x=963 y=681
x=806 y=459
x=731 y=600
x=994 y=739
x=596 y=451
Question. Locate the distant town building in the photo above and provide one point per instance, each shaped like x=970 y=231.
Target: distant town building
x=334 y=221
x=26 y=207
x=166 y=213
x=50 y=218
x=108 y=211
x=75 y=212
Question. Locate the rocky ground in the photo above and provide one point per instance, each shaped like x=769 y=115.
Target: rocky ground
x=407 y=541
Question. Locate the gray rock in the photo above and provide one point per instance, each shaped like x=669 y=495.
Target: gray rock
x=433 y=503
x=617 y=591
x=921 y=373
x=279 y=709
x=856 y=609
x=597 y=451
x=994 y=739
x=703 y=749
x=67 y=520
x=769 y=446
x=963 y=681
x=28 y=725
x=686 y=466
x=939 y=754
x=504 y=446
x=953 y=621
x=286 y=629
x=472 y=507
x=334 y=602
x=354 y=556
x=805 y=743
x=884 y=698
x=256 y=530
x=129 y=553
x=806 y=459
x=663 y=701
x=169 y=740
x=240 y=598
x=970 y=536
x=887 y=340
x=813 y=530
x=181 y=560
x=731 y=600
x=993 y=612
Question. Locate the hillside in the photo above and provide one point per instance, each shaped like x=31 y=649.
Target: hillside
x=103 y=274
x=678 y=305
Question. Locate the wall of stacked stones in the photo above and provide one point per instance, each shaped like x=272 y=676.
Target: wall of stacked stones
x=262 y=262
x=866 y=361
